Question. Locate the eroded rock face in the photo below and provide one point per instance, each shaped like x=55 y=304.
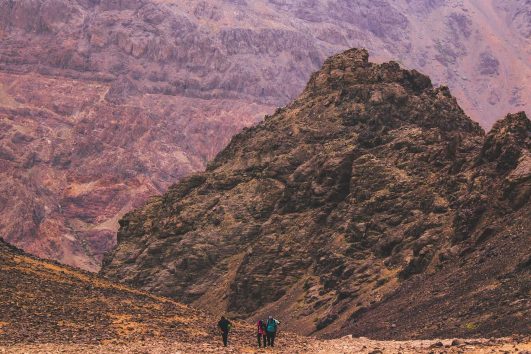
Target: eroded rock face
x=481 y=283
x=72 y=162
x=103 y=103
x=368 y=180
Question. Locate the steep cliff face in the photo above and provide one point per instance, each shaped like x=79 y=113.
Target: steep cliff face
x=367 y=181
x=103 y=102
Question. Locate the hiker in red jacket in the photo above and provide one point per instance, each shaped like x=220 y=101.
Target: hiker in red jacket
x=261 y=333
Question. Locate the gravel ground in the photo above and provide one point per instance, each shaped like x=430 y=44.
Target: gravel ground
x=300 y=345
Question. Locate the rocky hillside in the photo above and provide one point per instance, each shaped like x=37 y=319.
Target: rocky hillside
x=481 y=281
x=367 y=185
x=43 y=302
x=104 y=103
x=91 y=128
x=48 y=308
x=72 y=163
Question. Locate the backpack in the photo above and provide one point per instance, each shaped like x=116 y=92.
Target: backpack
x=271 y=325
x=225 y=325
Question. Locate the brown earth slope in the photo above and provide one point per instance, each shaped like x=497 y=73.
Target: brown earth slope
x=43 y=302
x=371 y=179
x=104 y=102
x=46 y=307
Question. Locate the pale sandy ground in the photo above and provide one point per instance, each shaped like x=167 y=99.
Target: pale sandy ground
x=306 y=345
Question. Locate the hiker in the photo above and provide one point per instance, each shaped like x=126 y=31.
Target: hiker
x=271 y=330
x=261 y=333
x=225 y=326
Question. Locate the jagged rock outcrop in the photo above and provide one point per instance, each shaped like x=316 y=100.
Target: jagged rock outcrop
x=104 y=103
x=481 y=283
x=368 y=181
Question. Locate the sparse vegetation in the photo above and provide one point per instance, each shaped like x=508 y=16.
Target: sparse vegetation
x=470 y=326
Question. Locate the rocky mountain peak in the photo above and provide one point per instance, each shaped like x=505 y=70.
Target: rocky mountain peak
x=382 y=96
x=355 y=57
x=355 y=99
x=366 y=182
x=508 y=140
x=352 y=67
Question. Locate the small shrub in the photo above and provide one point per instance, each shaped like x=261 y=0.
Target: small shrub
x=470 y=326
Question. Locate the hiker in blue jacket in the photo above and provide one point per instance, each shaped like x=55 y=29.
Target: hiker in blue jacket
x=271 y=330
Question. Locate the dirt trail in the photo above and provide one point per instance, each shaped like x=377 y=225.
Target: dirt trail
x=293 y=345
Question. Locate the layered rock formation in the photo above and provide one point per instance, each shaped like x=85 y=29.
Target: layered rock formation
x=103 y=102
x=367 y=185
x=72 y=162
x=85 y=136
x=264 y=51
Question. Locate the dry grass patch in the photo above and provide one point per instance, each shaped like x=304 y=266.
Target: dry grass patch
x=52 y=271
x=70 y=324
x=179 y=319
x=124 y=326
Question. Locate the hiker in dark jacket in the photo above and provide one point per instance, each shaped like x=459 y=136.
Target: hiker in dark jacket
x=271 y=330
x=225 y=326
x=261 y=333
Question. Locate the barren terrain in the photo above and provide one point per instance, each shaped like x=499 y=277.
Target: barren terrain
x=49 y=308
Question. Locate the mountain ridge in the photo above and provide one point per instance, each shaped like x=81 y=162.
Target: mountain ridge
x=370 y=178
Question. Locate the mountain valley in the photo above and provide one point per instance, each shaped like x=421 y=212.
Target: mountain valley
x=166 y=162
x=49 y=308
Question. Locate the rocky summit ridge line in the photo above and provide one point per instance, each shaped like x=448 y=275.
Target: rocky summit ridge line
x=370 y=190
